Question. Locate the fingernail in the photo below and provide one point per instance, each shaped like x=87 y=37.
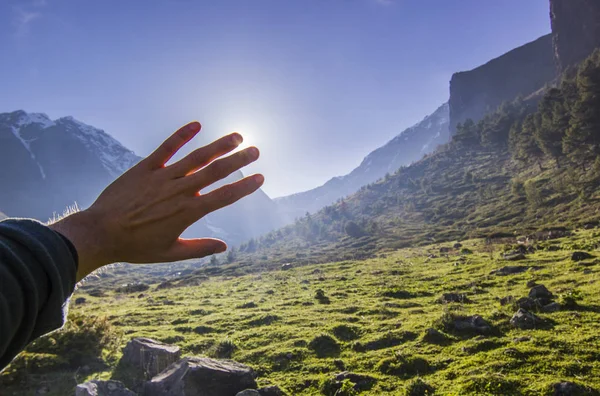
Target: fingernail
x=253 y=152
x=259 y=179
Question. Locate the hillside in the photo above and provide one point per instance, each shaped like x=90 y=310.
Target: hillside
x=409 y=146
x=397 y=322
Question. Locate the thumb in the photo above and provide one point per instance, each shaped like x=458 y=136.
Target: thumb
x=185 y=249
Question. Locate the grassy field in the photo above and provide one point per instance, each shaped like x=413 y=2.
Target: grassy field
x=298 y=328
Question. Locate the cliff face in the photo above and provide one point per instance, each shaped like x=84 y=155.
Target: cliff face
x=521 y=71
x=575 y=30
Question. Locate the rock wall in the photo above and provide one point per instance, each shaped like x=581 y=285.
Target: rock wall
x=521 y=71
x=575 y=30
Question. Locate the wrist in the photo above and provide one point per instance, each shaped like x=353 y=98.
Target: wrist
x=85 y=231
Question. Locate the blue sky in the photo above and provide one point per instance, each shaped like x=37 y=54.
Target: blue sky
x=315 y=84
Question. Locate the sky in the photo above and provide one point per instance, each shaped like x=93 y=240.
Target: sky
x=315 y=84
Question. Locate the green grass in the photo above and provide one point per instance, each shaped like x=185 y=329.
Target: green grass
x=373 y=323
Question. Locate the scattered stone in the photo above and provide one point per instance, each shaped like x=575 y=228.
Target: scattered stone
x=445 y=249
x=522 y=339
x=271 y=391
x=473 y=323
x=580 y=256
x=361 y=382
x=509 y=270
x=514 y=256
x=195 y=376
x=248 y=392
x=457 y=245
x=149 y=355
x=523 y=319
x=541 y=293
x=552 y=307
x=527 y=304
x=132 y=288
x=165 y=285
x=102 y=388
x=453 y=298
x=507 y=300
x=531 y=283
x=80 y=300
x=433 y=336
x=553 y=248
x=287 y=266
x=571 y=389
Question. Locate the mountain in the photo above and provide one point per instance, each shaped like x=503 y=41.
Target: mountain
x=575 y=30
x=407 y=147
x=521 y=71
x=51 y=164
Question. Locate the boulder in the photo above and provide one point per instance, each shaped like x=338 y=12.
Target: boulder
x=80 y=300
x=132 y=288
x=514 y=256
x=523 y=319
x=509 y=270
x=474 y=324
x=527 y=304
x=196 y=376
x=102 y=388
x=248 y=392
x=271 y=391
x=580 y=256
x=457 y=245
x=453 y=297
x=541 y=294
x=149 y=355
x=287 y=266
x=571 y=389
x=507 y=300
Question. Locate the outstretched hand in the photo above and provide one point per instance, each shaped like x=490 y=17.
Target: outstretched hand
x=140 y=217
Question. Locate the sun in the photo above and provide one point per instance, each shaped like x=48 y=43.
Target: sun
x=249 y=138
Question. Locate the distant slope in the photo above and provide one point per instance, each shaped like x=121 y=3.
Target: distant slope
x=407 y=147
x=49 y=165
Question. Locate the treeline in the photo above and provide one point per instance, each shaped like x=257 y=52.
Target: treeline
x=565 y=126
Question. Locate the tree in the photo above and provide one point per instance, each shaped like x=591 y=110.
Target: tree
x=214 y=260
x=552 y=123
x=354 y=230
x=231 y=255
x=467 y=134
x=581 y=142
x=522 y=143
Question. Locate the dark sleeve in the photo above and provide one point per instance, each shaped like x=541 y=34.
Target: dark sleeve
x=37 y=275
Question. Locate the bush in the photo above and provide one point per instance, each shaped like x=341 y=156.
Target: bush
x=418 y=387
x=354 y=230
x=223 y=350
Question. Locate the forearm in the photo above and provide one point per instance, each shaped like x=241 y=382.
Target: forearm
x=37 y=275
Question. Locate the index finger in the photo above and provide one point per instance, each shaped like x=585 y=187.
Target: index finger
x=169 y=147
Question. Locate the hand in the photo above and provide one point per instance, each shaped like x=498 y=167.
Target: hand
x=140 y=217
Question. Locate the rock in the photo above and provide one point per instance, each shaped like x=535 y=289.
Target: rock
x=271 y=391
x=102 y=388
x=522 y=339
x=433 y=336
x=453 y=297
x=457 y=245
x=80 y=300
x=514 y=256
x=527 y=304
x=287 y=266
x=475 y=324
x=571 y=389
x=552 y=307
x=248 y=392
x=445 y=249
x=509 y=270
x=541 y=293
x=361 y=382
x=580 y=256
x=531 y=283
x=165 y=285
x=196 y=376
x=523 y=319
x=507 y=300
x=132 y=288
x=149 y=355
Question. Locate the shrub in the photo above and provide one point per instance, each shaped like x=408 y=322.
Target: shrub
x=418 y=387
x=223 y=349
x=354 y=230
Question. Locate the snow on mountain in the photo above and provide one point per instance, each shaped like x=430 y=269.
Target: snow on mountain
x=405 y=148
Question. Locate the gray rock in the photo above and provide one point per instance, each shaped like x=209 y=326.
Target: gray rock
x=80 y=300
x=571 y=389
x=473 y=323
x=453 y=297
x=523 y=319
x=509 y=270
x=195 y=376
x=552 y=307
x=541 y=294
x=527 y=304
x=248 y=392
x=271 y=391
x=150 y=356
x=580 y=256
x=514 y=256
x=287 y=266
x=507 y=300
x=102 y=388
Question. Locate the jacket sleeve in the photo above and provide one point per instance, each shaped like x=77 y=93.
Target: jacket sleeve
x=37 y=275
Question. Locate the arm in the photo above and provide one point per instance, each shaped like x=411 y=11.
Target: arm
x=138 y=219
